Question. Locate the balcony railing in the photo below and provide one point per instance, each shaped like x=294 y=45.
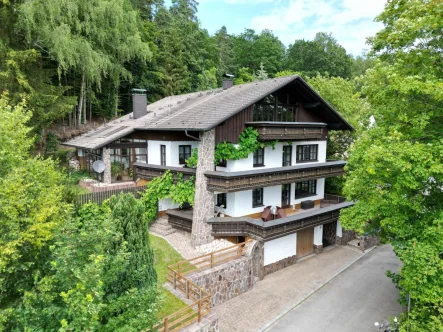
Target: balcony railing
x=290 y=131
x=180 y=219
x=150 y=171
x=331 y=200
x=260 y=230
x=264 y=177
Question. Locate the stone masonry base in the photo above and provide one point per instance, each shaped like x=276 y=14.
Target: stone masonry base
x=318 y=248
x=281 y=264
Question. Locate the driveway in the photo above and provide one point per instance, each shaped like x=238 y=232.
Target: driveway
x=281 y=290
x=352 y=301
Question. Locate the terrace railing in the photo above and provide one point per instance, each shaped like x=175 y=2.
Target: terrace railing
x=331 y=199
x=202 y=304
x=101 y=196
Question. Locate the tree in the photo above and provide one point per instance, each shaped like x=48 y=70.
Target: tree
x=31 y=208
x=100 y=276
x=208 y=80
x=225 y=48
x=261 y=74
x=342 y=95
x=322 y=55
x=243 y=76
x=26 y=71
x=94 y=38
x=250 y=50
x=395 y=173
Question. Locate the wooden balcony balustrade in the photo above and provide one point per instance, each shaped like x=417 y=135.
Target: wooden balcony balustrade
x=150 y=171
x=181 y=219
x=264 y=177
x=269 y=230
x=290 y=131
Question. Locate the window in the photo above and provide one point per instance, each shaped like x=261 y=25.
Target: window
x=184 y=152
x=221 y=200
x=257 y=197
x=307 y=153
x=305 y=188
x=259 y=157
x=286 y=195
x=163 y=155
x=279 y=107
x=287 y=156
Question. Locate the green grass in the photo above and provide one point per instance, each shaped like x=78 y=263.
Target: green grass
x=165 y=255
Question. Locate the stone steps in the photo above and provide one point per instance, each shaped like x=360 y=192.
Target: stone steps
x=161 y=227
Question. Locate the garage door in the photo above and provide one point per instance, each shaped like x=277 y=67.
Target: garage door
x=305 y=242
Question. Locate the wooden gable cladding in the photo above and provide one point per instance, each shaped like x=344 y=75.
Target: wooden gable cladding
x=230 y=130
x=238 y=181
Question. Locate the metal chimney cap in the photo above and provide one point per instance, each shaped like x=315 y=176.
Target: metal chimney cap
x=228 y=75
x=138 y=91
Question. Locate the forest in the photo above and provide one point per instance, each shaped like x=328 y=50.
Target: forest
x=67 y=64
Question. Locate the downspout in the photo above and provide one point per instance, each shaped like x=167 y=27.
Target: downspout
x=193 y=137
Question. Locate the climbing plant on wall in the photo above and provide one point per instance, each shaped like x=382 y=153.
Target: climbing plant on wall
x=248 y=143
x=164 y=187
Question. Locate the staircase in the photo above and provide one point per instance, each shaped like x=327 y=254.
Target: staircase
x=161 y=227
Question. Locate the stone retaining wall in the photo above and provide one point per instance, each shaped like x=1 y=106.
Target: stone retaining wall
x=227 y=280
x=347 y=236
x=369 y=241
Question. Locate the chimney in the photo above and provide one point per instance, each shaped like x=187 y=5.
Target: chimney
x=139 y=103
x=228 y=81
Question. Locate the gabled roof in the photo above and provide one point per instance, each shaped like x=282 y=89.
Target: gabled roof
x=200 y=111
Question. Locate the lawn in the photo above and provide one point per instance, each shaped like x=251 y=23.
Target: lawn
x=165 y=255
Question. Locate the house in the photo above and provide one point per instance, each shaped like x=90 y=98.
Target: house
x=275 y=195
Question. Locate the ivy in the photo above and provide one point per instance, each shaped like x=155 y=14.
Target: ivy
x=163 y=187
x=248 y=143
x=192 y=160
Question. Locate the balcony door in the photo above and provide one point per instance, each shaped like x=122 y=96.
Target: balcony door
x=285 y=195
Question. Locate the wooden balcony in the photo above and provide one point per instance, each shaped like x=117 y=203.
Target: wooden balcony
x=265 y=177
x=150 y=171
x=290 y=131
x=269 y=230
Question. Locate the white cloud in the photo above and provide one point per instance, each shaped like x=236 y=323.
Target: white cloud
x=350 y=21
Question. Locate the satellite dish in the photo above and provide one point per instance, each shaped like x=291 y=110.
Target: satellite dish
x=99 y=166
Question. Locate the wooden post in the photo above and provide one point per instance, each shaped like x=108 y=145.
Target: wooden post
x=212 y=259
x=187 y=288
x=166 y=325
x=239 y=250
x=174 y=278
x=199 y=310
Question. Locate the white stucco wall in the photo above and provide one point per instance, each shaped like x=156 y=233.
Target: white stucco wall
x=318 y=235
x=273 y=157
x=278 y=249
x=165 y=204
x=339 y=231
x=171 y=151
x=240 y=203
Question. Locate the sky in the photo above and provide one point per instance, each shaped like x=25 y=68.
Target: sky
x=350 y=21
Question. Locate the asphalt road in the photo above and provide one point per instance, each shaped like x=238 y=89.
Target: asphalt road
x=352 y=301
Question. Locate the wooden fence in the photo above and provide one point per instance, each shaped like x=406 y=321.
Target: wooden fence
x=202 y=299
x=101 y=196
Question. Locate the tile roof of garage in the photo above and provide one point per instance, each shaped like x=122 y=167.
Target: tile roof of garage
x=198 y=111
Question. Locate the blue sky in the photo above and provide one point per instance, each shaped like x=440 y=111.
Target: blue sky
x=350 y=21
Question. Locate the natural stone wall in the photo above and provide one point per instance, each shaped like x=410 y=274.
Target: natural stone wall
x=347 y=236
x=208 y=324
x=106 y=155
x=204 y=199
x=258 y=260
x=318 y=248
x=227 y=280
x=281 y=264
x=369 y=241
